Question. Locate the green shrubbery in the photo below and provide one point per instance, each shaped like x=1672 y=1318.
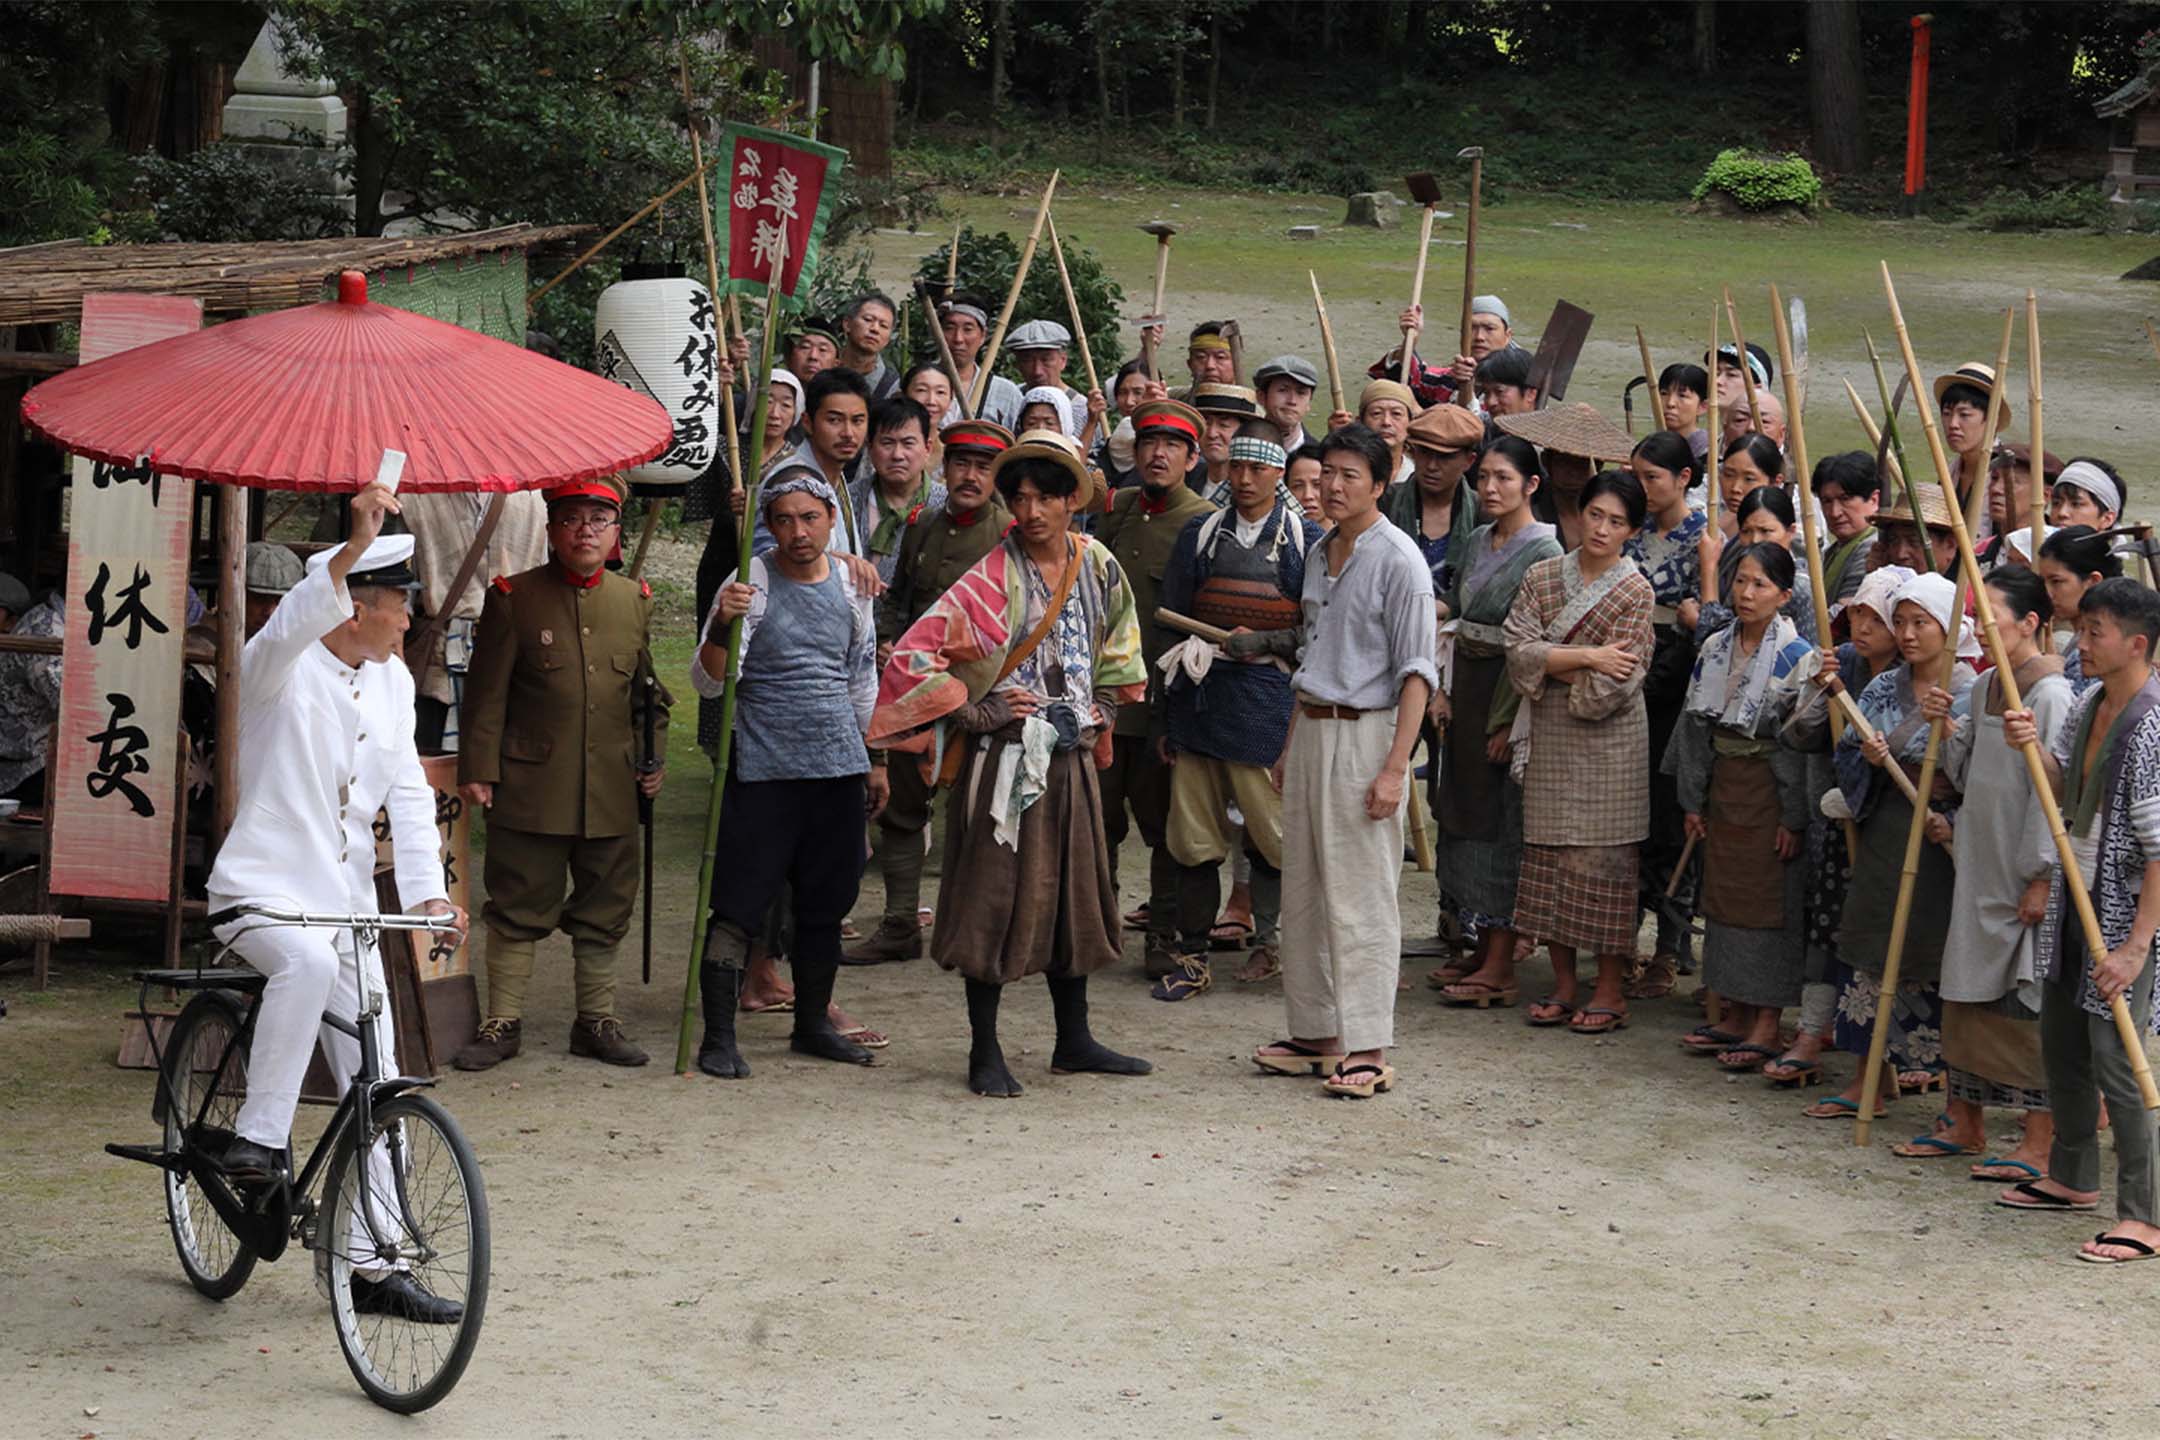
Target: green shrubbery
x=1757 y=181
x=2073 y=207
x=987 y=263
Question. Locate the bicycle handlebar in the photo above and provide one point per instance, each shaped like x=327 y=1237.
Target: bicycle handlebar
x=438 y=924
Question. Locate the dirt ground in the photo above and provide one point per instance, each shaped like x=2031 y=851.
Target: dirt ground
x=1537 y=1234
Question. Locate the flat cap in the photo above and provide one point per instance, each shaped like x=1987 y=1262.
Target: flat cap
x=1287 y=367
x=272 y=569
x=1446 y=427
x=1039 y=335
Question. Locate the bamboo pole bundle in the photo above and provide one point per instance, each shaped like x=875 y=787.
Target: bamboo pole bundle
x=987 y=361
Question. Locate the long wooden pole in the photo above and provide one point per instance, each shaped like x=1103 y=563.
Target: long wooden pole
x=952 y=260
x=2038 y=467
x=1916 y=832
x=604 y=241
x=1072 y=307
x=1889 y=420
x=1466 y=396
x=1417 y=292
x=232 y=518
x=1649 y=375
x=2035 y=768
x=1715 y=496
x=1327 y=343
x=712 y=285
x=701 y=905
x=1748 y=387
x=1796 y=433
x=944 y=350
x=987 y=361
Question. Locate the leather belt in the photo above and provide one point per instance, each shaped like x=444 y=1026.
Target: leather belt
x=1330 y=712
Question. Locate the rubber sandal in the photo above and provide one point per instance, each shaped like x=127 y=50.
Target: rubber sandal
x=1477 y=995
x=2144 y=1251
x=1996 y=1162
x=1931 y=1147
x=2032 y=1197
x=1803 y=1073
x=1758 y=1056
x=1346 y=1082
x=1567 y=1013
x=1302 y=1059
x=1709 y=1040
x=1837 y=1107
x=1615 y=1020
x=1230 y=935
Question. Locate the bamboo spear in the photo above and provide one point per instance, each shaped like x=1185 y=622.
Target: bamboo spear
x=746 y=528
x=1889 y=420
x=2038 y=462
x=608 y=239
x=1874 y=436
x=2035 y=767
x=1748 y=387
x=1715 y=495
x=1796 y=434
x=1909 y=874
x=1072 y=305
x=1327 y=341
x=1649 y=375
x=987 y=361
x=952 y=260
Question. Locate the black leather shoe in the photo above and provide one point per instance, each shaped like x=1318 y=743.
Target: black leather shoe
x=249 y=1163
x=398 y=1294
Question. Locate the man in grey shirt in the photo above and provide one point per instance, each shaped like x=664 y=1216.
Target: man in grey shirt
x=1364 y=675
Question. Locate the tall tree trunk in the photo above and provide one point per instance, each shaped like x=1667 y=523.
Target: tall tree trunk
x=1704 y=51
x=371 y=166
x=1214 y=63
x=1327 y=28
x=1101 y=21
x=1174 y=14
x=1000 y=44
x=1837 y=96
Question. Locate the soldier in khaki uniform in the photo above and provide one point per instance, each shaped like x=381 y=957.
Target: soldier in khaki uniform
x=552 y=724
x=1141 y=530
x=937 y=549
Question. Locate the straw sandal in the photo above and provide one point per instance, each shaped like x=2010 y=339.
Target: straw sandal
x=1359 y=1082
x=1654 y=979
x=1288 y=1057
x=1263 y=962
x=2120 y=1242
x=2032 y=1197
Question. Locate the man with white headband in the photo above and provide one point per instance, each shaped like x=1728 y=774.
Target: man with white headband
x=1228 y=707
x=1490 y=331
x=2088 y=492
x=965 y=319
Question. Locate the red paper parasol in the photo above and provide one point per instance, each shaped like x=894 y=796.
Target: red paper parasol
x=309 y=398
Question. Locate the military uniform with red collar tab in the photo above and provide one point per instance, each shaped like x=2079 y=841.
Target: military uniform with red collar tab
x=1141 y=531
x=553 y=721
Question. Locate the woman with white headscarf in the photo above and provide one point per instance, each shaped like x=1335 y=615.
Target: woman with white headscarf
x=1922 y=615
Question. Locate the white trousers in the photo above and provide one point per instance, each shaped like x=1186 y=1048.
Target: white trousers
x=310 y=971
x=1341 y=928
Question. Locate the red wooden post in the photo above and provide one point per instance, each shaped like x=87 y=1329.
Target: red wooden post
x=1916 y=115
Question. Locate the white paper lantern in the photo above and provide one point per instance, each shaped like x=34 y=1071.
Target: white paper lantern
x=660 y=338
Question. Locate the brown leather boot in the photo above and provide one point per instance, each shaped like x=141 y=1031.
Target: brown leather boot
x=499 y=1040
x=890 y=942
x=603 y=1039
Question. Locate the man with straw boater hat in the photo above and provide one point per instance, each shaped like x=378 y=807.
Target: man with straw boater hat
x=1140 y=531
x=1025 y=665
x=1962 y=396
x=554 y=707
x=1223 y=408
x=939 y=546
x=800 y=782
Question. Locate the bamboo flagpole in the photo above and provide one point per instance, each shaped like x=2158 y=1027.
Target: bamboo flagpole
x=746 y=525
x=2038 y=458
x=1909 y=873
x=712 y=286
x=2035 y=768
x=1327 y=342
x=1796 y=436
x=987 y=361
x=1649 y=375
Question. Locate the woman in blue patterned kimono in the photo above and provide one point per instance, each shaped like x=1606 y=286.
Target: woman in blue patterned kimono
x=2072 y=561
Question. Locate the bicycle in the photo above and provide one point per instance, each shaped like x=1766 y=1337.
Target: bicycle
x=426 y=1193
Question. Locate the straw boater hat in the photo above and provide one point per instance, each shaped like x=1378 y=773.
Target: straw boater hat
x=1573 y=429
x=1226 y=400
x=1932 y=509
x=1059 y=449
x=1980 y=377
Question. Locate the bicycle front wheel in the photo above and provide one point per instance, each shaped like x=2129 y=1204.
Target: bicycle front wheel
x=408 y=1294
x=206 y=1077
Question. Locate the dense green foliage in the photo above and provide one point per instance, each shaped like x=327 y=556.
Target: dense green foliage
x=1760 y=182
x=987 y=264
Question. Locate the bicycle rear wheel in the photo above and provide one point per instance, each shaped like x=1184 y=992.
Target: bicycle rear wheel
x=428 y=1195
x=198 y=1067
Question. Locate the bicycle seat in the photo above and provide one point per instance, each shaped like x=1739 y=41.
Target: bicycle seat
x=242 y=978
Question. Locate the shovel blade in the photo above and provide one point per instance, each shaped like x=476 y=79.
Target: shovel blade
x=1558 y=350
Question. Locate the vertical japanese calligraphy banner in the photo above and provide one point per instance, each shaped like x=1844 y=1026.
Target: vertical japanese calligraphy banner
x=110 y=783
x=774 y=208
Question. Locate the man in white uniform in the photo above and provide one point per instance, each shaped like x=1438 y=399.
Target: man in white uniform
x=326 y=723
